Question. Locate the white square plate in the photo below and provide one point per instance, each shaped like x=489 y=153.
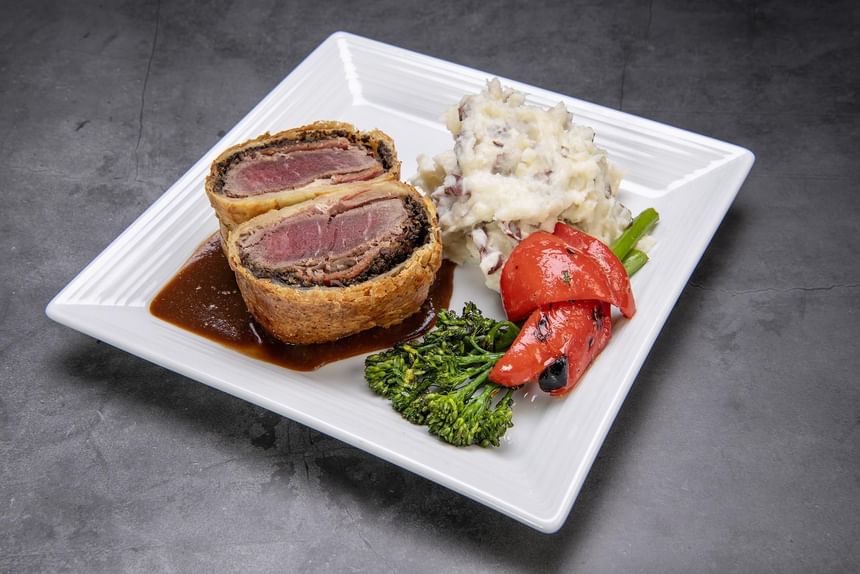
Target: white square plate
x=538 y=471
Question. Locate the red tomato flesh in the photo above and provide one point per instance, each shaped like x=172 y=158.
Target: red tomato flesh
x=609 y=263
x=576 y=330
x=544 y=269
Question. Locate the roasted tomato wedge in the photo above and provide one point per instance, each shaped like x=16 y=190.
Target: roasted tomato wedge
x=612 y=267
x=555 y=346
x=544 y=269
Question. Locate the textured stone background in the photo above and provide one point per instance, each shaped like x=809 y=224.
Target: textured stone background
x=736 y=450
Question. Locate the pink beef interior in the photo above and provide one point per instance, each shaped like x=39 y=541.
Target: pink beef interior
x=290 y=169
x=336 y=242
x=317 y=236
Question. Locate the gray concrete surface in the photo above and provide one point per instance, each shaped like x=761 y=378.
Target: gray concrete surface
x=736 y=450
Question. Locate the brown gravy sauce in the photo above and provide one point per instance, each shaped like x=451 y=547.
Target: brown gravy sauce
x=203 y=298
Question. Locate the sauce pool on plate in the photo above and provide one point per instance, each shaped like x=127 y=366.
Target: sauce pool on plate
x=203 y=298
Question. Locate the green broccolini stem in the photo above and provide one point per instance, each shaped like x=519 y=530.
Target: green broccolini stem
x=469 y=389
x=483 y=353
x=478 y=359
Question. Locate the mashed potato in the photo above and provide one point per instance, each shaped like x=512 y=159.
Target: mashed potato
x=515 y=169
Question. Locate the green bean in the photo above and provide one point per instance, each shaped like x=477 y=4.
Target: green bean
x=641 y=225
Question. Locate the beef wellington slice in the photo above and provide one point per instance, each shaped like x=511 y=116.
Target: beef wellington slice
x=340 y=263
x=276 y=170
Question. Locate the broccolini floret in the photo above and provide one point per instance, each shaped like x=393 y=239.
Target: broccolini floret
x=441 y=380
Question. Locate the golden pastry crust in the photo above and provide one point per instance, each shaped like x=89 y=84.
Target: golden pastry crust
x=232 y=211
x=304 y=315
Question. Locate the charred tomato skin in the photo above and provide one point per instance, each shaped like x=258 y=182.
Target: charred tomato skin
x=554 y=377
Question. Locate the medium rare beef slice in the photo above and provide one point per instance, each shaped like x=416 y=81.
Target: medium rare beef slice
x=343 y=244
x=291 y=164
x=266 y=173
